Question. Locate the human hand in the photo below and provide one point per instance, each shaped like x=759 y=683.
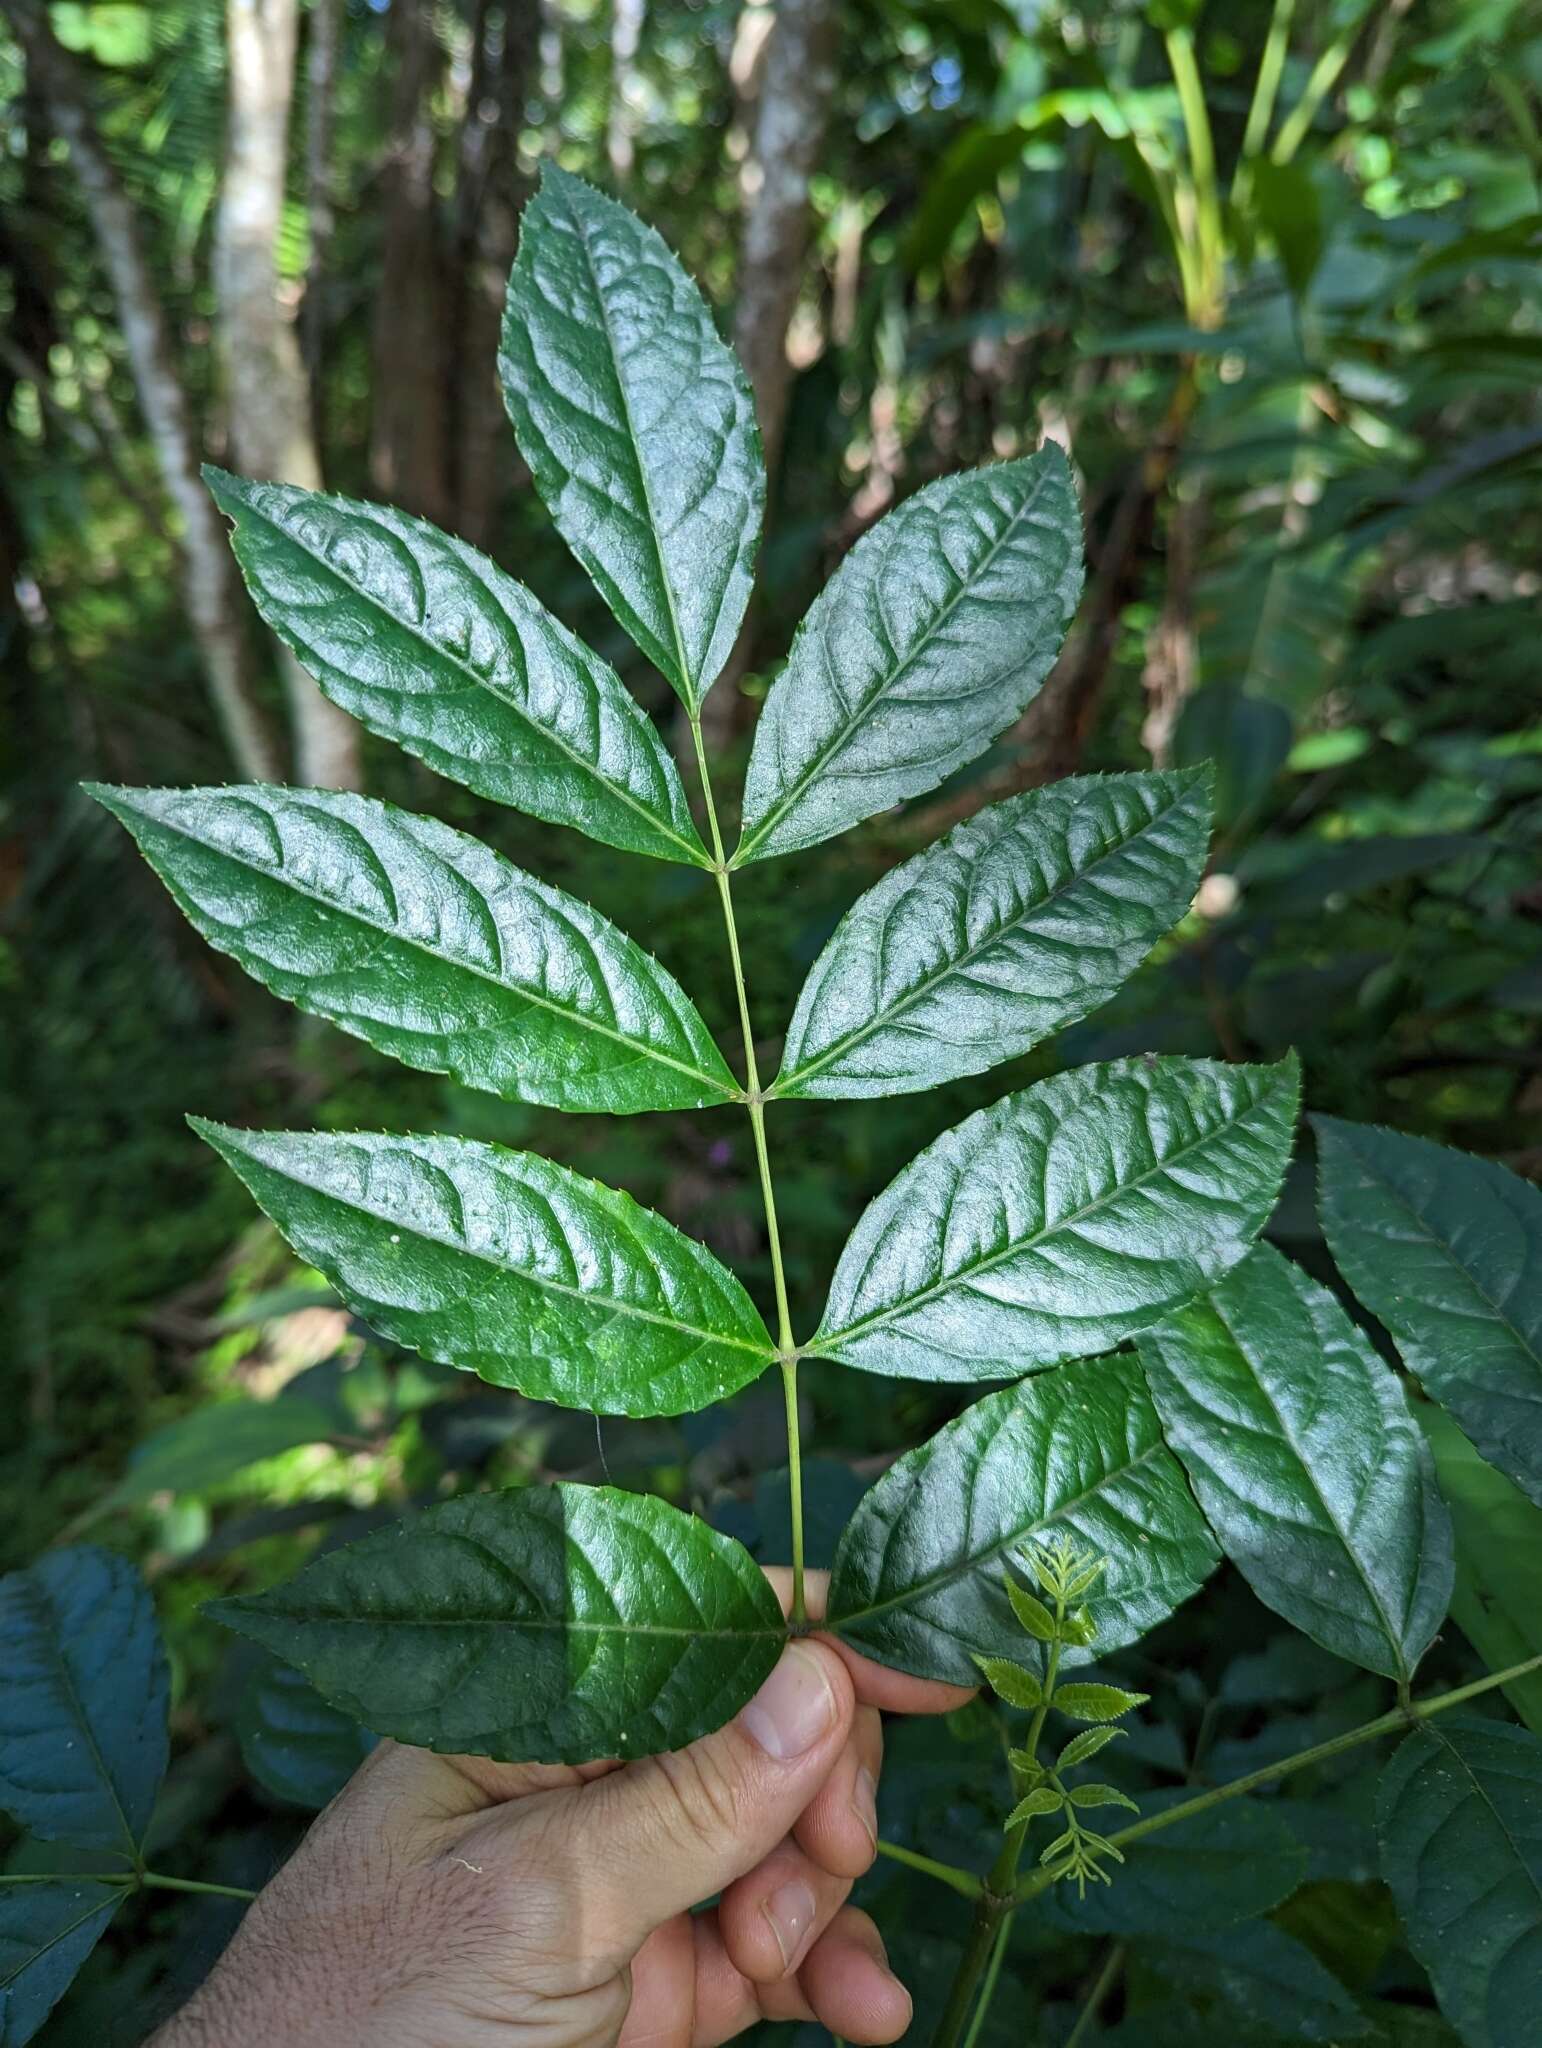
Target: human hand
x=446 y=1902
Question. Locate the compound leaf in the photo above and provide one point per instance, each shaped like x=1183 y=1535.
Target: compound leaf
x=1298 y=1441
x=83 y=1707
x=429 y=644
x=933 y=634
x=1443 y=1248
x=638 y=426
x=428 y=945
x=509 y=1266
x=544 y=1625
x=1022 y=920
x=1459 y=1813
x=1059 y=1221
x=46 y=1933
x=918 y=1579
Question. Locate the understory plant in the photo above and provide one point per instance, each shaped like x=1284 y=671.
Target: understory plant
x=1165 y=1390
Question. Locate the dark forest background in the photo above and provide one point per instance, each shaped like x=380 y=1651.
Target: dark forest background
x=1269 y=273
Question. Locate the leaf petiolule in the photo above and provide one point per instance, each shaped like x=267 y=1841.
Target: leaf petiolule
x=429 y=644
x=931 y=637
x=427 y=945
x=1062 y=1220
x=544 y=1625
x=46 y=1933
x=637 y=424
x=918 y=1580
x=1298 y=1441
x=1019 y=922
x=1459 y=1816
x=1443 y=1248
x=83 y=1707
x=509 y=1266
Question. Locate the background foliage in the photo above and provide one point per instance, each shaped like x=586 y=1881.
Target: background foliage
x=1297 y=365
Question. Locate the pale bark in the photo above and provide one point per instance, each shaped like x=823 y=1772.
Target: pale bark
x=626 y=24
x=269 y=399
x=325 y=37
x=797 y=82
x=210 y=588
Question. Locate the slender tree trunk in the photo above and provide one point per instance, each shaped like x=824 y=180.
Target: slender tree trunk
x=210 y=588
x=797 y=82
x=490 y=190
x=270 y=402
x=326 y=20
x=409 y=443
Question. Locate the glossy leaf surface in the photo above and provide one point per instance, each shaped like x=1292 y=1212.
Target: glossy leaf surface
x=83 y=1704
x=1061 y=1220
x=428 y=945
x=1022 y=920
x=919 y=1576
x=545 y=1625
x=1496 y=1601
x=637 y=424
x=1459 y=1813
x=933 y=634
x=429 y=644
x=1231 y=1863
x=508 y=1266
x=1311 y=1470
x=46 y=1933
x=1446 y=1250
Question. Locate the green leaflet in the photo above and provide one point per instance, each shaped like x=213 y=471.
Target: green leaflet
x=638 y=426
x=508 y=1266
x=546 y=1625
x=1298 y=1441
x=298 y=1748
x=919 y=1577
x=1231 y=1863
x=1264 y=1982
x=428 y=945
x=207 y=1446
x=1496 y=1601
x=46 y=1933
x=928 y=641
x=83 y=1706
x=1445 y=1249
x=429 y=644
x=1459 y=1813
x=1019 y=922
x=1059 y=1221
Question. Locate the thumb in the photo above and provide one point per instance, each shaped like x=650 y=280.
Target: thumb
x=670 y=1831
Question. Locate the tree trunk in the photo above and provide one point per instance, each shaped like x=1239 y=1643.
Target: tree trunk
x=490 y=190
x=326 y=21
x=409 y=445
x=210 y=588
x=797 y=81
x=626 y=22
x=269 y=400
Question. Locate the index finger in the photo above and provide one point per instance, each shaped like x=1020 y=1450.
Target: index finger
x=896 y=1692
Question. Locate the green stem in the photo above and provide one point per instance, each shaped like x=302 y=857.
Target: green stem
x=157 y=1882
x=755 y=1103
x=1321 y=81
x=1266 y=87
x=988 y=1988
x=1207 y=200
x=1369 y=1731
x=962 y=1881
x=1113 y=1963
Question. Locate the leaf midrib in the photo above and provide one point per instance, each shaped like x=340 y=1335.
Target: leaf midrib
x=961 y=961
x=287 y=881
x=1028 y=1244
x=977 y=1559
x=108 y=1905
x=83 y=1721
x=581 y=1294
x=751 y=840
x=514 y=1625
x=695 y=855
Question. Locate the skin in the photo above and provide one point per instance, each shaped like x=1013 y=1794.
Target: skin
x=452 y=1902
